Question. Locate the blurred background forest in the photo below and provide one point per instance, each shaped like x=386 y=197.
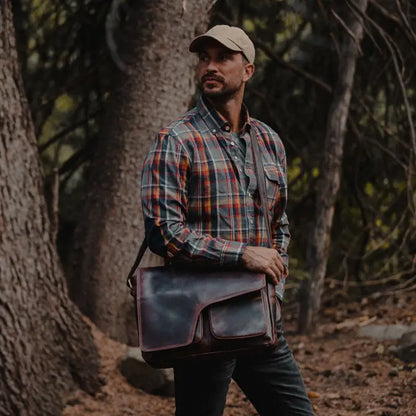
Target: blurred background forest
x=101 y=78
x=68 y=54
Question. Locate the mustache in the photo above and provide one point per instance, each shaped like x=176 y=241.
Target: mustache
x=212 y=77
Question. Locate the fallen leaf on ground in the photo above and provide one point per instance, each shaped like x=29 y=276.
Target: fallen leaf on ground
x=313 y=394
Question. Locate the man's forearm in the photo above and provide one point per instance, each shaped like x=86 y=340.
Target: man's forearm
x=179 y=243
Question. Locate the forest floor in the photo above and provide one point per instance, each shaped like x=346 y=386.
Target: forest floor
x=345 y=375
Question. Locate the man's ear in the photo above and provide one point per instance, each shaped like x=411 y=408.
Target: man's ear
x=248 y=71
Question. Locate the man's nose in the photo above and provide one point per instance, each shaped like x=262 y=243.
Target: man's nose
x=211 y=66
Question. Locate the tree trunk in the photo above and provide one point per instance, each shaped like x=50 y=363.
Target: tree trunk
x=158 y=88
x=46 y=349
x=329 y=181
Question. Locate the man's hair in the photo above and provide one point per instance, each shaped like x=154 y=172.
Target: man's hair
x=245 y=60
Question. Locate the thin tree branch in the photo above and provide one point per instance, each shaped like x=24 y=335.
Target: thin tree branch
x=374 y=141
x=66 y=131
x=211 y=5
x=304 y=74
x=293 y=39
x=389 y=15
x=367 y=31
x=347 y=29
x=110 y=27
x=405 y=21
x=76 y=159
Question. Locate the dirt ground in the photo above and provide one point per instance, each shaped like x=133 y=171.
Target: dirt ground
x=345 y=375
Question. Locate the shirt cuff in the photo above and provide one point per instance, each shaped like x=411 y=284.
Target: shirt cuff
x=232 y=253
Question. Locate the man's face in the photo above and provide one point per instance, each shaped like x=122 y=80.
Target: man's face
x=221 y=72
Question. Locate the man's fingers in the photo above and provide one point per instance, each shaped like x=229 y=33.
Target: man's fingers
x=274 y=273
x=279 y=262
x=276 y=268
x=273 y=278
x=280 y=266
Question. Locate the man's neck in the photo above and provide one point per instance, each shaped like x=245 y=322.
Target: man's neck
x=230 y=109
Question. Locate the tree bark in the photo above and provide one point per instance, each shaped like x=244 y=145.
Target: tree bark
x=46 y=349
x=157 y=89
x=329 y=181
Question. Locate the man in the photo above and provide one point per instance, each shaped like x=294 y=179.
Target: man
x=200 y=204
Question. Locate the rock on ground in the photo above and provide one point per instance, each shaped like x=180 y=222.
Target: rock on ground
x=140 y=375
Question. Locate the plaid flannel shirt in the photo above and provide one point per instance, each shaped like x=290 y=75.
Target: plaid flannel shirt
x=195 y=206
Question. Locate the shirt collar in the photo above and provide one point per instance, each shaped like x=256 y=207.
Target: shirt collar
x=215 y=121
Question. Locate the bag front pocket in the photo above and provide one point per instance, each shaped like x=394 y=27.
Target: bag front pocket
x=242 y=317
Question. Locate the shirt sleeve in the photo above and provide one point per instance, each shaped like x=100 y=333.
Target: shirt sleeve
x=166 y=171
x=280 y=228
x=282 y=239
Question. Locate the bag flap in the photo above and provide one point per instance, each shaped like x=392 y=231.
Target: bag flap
x=169 y=301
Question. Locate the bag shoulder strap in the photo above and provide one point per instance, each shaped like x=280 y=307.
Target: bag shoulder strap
x=261 y=184
x=139 y=257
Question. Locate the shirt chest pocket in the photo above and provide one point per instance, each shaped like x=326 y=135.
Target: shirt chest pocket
x=273 y=184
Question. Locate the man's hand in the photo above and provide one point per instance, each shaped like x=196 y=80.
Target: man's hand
x=264 y=260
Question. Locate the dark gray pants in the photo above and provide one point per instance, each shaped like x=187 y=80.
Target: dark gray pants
x=272 y=382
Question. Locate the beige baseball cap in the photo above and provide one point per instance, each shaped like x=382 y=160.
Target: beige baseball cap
x=231 y=37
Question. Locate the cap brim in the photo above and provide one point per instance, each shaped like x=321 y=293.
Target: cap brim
x=196 y=43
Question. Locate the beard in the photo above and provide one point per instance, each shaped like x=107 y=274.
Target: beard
x=225 y=90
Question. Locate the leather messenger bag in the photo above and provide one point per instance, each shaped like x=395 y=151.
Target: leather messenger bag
x=189 y=312
x=185 y=313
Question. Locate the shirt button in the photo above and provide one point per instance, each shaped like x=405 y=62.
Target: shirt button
x=227 y=128
x=232 y=143
x=214 y=131
x=251 y=222
x=236 y=157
